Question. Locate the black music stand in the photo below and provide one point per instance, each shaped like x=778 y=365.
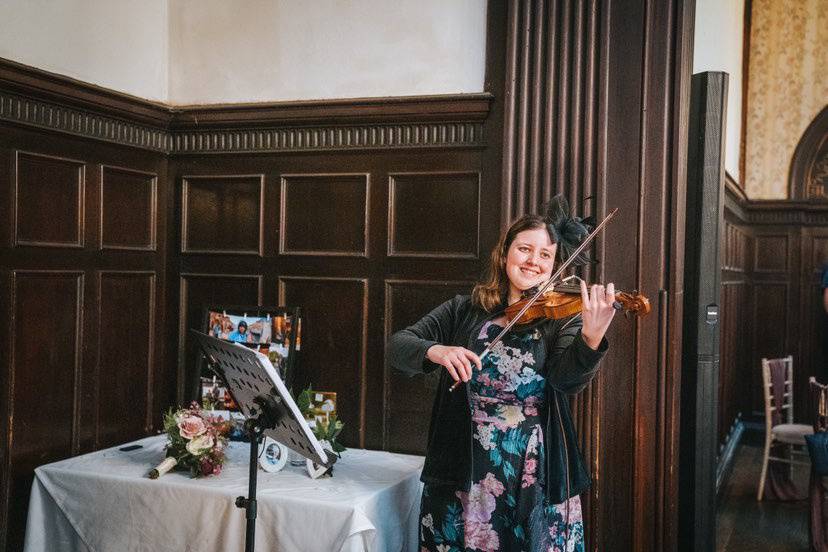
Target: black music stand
x=268 y=408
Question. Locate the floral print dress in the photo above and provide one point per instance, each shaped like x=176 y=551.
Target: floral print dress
x=505 y=508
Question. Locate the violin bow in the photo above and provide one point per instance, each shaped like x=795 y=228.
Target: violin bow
x=542 y=289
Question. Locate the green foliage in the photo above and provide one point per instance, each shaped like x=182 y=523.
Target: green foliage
x=303 y=401
x=329 y=431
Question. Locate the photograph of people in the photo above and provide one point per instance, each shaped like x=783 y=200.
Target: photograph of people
x=241 y=334
x=502 y=468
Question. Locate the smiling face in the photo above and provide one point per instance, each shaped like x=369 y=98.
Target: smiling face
x=529 y=261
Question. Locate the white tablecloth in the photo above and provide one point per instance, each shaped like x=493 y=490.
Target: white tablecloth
x=103 y=501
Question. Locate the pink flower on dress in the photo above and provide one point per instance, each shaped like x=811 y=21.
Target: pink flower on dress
x=191 y=426
x=481 y=536
x=530 y=410
x=530 y=465
x=527 y=480
x=478 y=505
x=575 y=513
x=491 y=485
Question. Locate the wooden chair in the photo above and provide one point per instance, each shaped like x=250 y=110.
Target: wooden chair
x=779 y=416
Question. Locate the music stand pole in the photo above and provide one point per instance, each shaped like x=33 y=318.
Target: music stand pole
x=254 y=433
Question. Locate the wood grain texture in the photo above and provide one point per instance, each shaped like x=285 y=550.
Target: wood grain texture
x=128 y=209
x=47 y=281
x=48 y=201
x=595 y=108
x=44 y=381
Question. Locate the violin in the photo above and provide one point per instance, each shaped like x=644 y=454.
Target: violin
x=565 y=300
x=640 y=303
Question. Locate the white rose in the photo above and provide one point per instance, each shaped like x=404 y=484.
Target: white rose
x=200 y=444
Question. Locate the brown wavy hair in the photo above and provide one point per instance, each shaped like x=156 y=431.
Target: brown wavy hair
x=490 y=292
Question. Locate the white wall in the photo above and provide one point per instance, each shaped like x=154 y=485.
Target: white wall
x=117 y=44
x=718 y=47
x=225 y=51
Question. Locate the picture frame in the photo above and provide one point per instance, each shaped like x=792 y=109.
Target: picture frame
x=272 y=330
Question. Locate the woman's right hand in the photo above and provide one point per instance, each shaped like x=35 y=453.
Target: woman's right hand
x=457 y=360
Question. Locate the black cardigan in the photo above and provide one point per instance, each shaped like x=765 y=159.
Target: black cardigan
x=569 y=365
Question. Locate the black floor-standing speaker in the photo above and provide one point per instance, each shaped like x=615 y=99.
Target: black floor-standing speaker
x=700 y=342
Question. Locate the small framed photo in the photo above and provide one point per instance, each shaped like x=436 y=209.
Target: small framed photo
x=322 y=406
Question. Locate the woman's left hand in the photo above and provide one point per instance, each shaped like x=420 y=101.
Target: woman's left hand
x=597 y=312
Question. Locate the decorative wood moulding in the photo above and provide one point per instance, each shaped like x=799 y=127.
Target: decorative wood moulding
x=81 y=123
x=773 y=212
x=390 y=136
x=788 y=213
x=38 y=99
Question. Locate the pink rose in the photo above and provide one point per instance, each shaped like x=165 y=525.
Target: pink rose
x=191 y=426
x=530 y=465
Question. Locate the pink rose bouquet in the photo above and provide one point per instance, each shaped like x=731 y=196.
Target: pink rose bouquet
x=195 y=442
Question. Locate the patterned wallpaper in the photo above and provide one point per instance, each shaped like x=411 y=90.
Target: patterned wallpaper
x=787 y=88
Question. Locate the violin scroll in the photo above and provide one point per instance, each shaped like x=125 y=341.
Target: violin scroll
x=633 y=303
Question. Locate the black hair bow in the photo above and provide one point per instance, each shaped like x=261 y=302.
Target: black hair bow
x=567 y=231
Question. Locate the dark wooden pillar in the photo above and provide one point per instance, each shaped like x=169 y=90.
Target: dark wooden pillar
x=595 y=106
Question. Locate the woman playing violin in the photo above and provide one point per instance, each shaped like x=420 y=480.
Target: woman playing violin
x=502 y=468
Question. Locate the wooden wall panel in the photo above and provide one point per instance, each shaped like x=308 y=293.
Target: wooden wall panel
x=44 y=177
x=124 y=373
x=814 y=326
x=335 y=269
x=735 y=389
x=772 y=304
x=405 y=398
x=129 y=209
x=324 y=215
x=219 y=223
x=334 y=338
x=771 y=254
x=49 y=200
x=43 y=393
x=448 y=203
x=222 y=214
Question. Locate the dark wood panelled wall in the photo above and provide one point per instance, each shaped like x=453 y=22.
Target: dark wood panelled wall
x=771 y=301
x=127 y=218
x=577 y=122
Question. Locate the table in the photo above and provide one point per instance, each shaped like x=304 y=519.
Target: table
x=103 y=501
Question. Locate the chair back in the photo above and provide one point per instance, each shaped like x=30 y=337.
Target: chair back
x=777 y=380
x=818 y=404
